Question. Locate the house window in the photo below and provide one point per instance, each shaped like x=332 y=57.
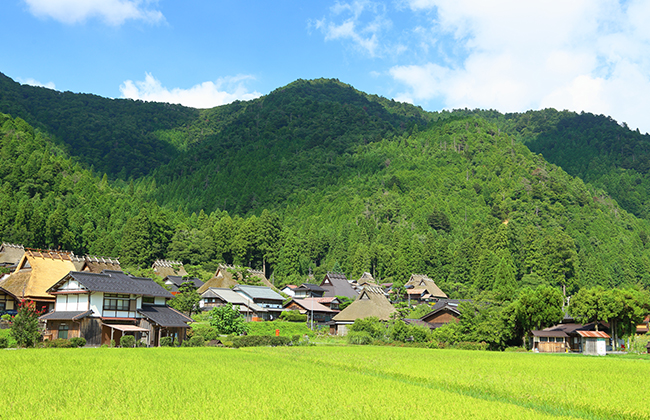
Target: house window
x=116 y=302
x=63 y=331
x=148 y=299
x=2 y=306
x=543 y=338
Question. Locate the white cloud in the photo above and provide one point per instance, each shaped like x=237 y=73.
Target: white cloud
x=591 y=55
x=204 y=95
x=32 y=82
x=363 y=35
x=113 y=12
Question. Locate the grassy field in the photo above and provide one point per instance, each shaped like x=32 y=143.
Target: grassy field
x=318 y=382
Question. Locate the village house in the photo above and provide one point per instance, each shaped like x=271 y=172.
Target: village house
x=336 y=284
x=289 y=290
x=164 y=268
x=371 y=302
x=330 y=302
x=264 y=297
x=101 y=307
x=424 y=289
x=443 y=312
x=10 y=255
x=37 y=271
x=215 y=297
x=307 y=290
x=228 y=276
x=309 y=306
x=579 y=338
x=175 y=282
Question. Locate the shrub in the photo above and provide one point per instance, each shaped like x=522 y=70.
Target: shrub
x=227 y=320
x=196 y=341
x=207 y=332
x=6 y=318
x=260 y=341
x=59 y=343
x=470 y=345
x=25 y=329
x=293 y=316
x=287 y=329
x=113 y=343
x=78 y=341
x=371 y=325
x=140 y=343
x=516 y=349
x=449 y=333
x=166 y=341
x=4 y=343
x=359 y=337
x=127 y=341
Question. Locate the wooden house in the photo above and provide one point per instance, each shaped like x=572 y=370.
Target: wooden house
x=264 y=297
x=215 y=297
x=443 y=312
x=101 y=307
x=575 y=341
x=309 y=306
x=549 y=341
x=37 y=271
x=330 y=301
x=371 y=302
x=228 y=276
x=164 y=268
x=336 y=284
x=307 y=290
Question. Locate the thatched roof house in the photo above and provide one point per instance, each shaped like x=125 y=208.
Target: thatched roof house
x=10 y=254
x=372 y=301
x=164 y=268
x=37 y=271
x=422 y=281
x=224 y=278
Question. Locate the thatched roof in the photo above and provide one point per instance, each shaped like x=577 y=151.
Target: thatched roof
x=37 y=271
x=223 y=278
x=96 y=264
x=372 y=301
x=164 y=268
x=422 y=281
x=11 y=253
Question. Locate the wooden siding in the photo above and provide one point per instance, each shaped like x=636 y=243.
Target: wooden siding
x=442 y=317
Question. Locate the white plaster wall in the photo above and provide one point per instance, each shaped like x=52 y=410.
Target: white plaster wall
x=97 y=303
x=83 y=302
x=159 y=301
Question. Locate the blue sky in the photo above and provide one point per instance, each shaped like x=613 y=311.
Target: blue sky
x=591 y=55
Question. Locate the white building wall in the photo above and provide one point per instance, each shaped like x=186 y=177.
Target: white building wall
x=97 y=303
x=159 y=301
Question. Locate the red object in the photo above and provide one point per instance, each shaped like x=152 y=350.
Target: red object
x=277 y=333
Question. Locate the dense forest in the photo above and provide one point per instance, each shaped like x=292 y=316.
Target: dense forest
x=317 y=175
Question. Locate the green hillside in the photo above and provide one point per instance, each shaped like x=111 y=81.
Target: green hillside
x=252 y=155
x=112 y=136
x=318 y=175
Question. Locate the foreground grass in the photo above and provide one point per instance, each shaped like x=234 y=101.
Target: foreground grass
x=317 y=382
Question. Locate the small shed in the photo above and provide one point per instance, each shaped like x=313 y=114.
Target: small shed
x=594 y=342
x=549 y=341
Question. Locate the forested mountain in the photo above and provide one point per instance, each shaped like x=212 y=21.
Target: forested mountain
x=593 y=147
x=317 y=175
x=113 y=136
x=257 y=154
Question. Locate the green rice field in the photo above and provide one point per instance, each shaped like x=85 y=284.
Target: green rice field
x=319 y=382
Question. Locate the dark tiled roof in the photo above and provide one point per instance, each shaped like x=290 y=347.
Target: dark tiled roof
x=164 y=316
x=178 y=281
x=308 y=286
x=336 y=284
x=110 y=281
x=557 y=333
x=66 y=316
x=451 y=304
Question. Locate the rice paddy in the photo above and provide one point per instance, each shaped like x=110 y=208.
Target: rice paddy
x=318 y=382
